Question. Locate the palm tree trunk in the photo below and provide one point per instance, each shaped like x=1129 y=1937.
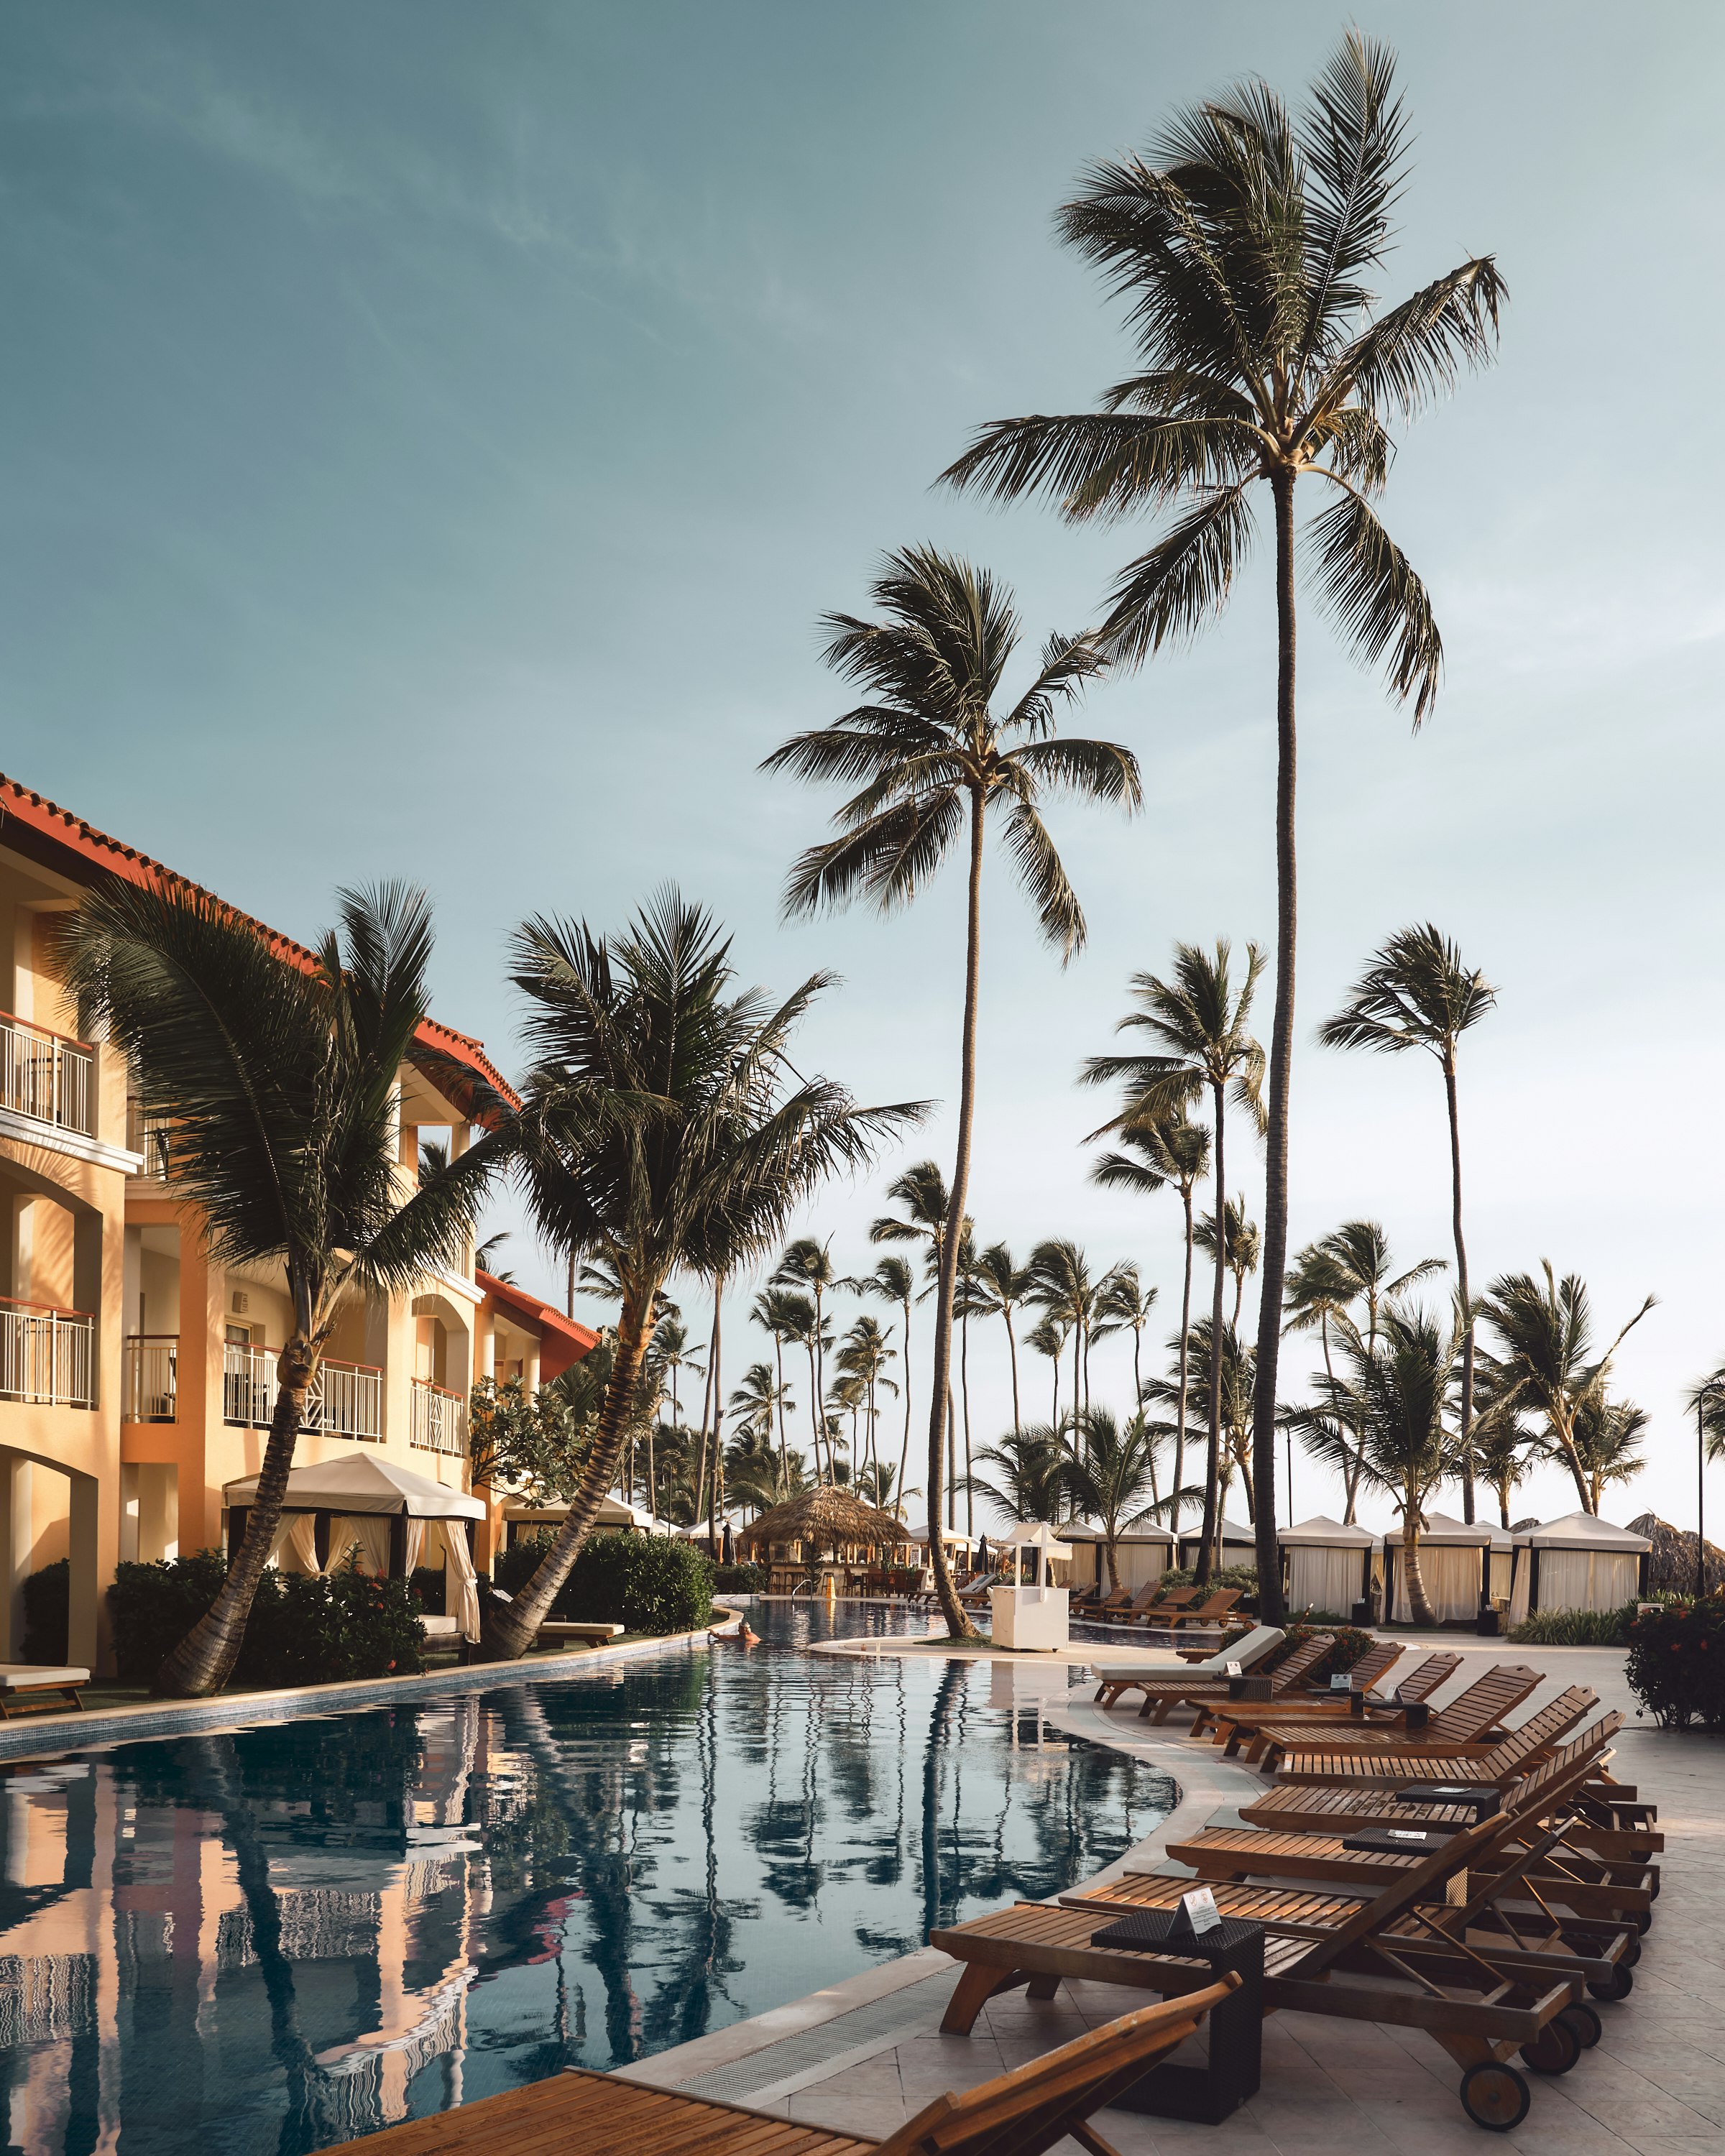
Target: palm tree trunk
x=1185 y=1358
x=718 y=1417
x=821 y=1384
x=1011 y=1351
x=509 y=1629
x=904 y=1454
x=1281 y=1043
x=965 y=1394
x=815 y=1418
x=1417 y=1599
x=957 y=1624
x=778 y=1365
x=1460 y=1285
x=1213 y=1462
x=203 y=1661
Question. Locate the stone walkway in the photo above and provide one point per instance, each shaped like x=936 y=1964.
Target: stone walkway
x=865 y=2055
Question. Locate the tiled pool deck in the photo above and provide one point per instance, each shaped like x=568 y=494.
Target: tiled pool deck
x=864 y=2057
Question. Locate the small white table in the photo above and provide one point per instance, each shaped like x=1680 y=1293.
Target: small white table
x=1032 y=1618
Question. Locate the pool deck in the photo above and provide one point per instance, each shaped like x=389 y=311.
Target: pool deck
x=864 y=2056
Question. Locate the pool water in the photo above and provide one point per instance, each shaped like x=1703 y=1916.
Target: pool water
x=273 y=1938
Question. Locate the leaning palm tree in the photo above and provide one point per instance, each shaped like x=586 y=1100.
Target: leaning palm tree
x=1242 y=1245
x=1164 y=1151
x=1002 y=1287
x=1198 y=1020
x=663 y=1124
x=931 y=758
x=1417 y=994
x=1111 y=1475
x=1243 y=250
x=1545 y=1333
x=282 y=1081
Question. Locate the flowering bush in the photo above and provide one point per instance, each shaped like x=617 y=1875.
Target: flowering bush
x=1675 y=1664
x=1350 y=1645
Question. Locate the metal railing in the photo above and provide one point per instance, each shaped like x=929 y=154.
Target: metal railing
x=47 y=1077
x=47 y=1356
x=345 y=1399
x=438 y=1421
x=148 y=1134
x=150 y=1377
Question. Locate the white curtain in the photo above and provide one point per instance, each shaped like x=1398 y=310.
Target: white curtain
x=1141 y=1564
x=416 y=1542
x=460 y=1572
x=294 y=1549
x=1587 y=1579
x=371 y=1531
x=1324 y=1579
x=1451 y=1579
x=1518 y=1593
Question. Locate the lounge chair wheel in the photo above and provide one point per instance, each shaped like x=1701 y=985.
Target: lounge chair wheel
x=1555 y=2049
x=1618 y=1985
x=1644 y=1922
x=1496 y=2097
x=1585 y=2021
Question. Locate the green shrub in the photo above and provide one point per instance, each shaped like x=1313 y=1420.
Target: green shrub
x=303 y=1629
x=1576 y=1627
x=739 y=1580
x=429 y=1582
x=1350 y=1646
x=48 y=1606
x=1244 y=1577
x=1675 y=1664
x=655 y=1583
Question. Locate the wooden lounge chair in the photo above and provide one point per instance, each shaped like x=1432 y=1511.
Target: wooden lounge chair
x=1471 y=1721
x=1160 y=1610
x=1304 y=1700
x=1131 y=1607
x=1164 y=1690
x=1386 y=1958
x=1408 y=1706
x=1021 y=2113
x=40 y=1688
x=1209 y=1612
x=1114 y=1678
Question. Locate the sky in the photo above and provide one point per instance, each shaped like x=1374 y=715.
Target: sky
x=432 y=434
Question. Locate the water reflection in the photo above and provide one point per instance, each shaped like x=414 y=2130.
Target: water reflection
x=272 y=1939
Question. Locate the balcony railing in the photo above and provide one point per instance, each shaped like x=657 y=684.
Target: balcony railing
x=150 y=1374
x=147 y=1133
x=46 y=1076
x=439 y=1422
x=47 y=1356
x=345 y=1399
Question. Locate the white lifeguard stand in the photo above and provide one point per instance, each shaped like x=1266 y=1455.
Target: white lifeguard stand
x=1032 y=1619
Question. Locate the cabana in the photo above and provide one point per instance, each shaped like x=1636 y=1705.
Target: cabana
x=1142 y=1554
x=1328 y=1566
x=398 y=1520
x=522 y=1516
x=1454 y=1566
x=1240 y=1545
x=827 y=1521
x=1577 y=1563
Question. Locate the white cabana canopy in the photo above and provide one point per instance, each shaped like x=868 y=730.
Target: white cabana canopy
x=1581 y=1531
x=1453 y=1561
x=1329 y=1564
x=1141 y=1555
x=1443 y=1533
x=362 y=1483
x=1576 y=1562
x=1320 y=1532
x=613 y=1513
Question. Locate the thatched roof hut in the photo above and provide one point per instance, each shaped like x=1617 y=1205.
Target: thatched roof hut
x=1671 y=1570
x=831 y=1518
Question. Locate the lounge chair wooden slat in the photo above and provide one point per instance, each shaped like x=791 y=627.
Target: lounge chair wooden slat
x=1486 y=1766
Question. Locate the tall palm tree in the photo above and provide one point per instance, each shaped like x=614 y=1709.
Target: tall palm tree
x=664 y=1125
x=1164 y=1150
x=1243 y=252
x=1242 y=1245
x=893 y=1281
x=1031 y=1467
x=1417 y=994
x=864 y=1354
x=1607 y=1436
x=283 y=1085
x=1004 y=1287
x=807 y=1263
x=1049 y=1338
x=1063 y=1289
x=1198 y=1020
x=931 y=758
x=1123 y=1305
x=759 y=1404
x=1111 y=1475
x=1545 y=1336
x=785 y=1318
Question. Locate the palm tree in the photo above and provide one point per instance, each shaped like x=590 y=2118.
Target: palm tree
x=813 y=1336
x=1164 y=1150
x=864 y=1354
x=1062 y=1289
x=282 y=1081
x=893 y=1280
x=759 y=1403
x=485 y=1259
x=970 y=1299
x=1546 y=1334
x=1243 y=256
x=1002 y=1287
x=786 y=1319
x=807 y=1263
x=932 y=758
x=1417 y=994
x=1049 y=1338
x=1111 y=1473
x=1031 y=1467
x=664 y=1125
x=1607 y=1436
x=1241 y=1246
x=1198 y=1020
x=1124 y=1304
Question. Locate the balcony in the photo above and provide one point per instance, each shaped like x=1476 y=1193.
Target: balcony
x=345 y=1399
x=47 y=1356
x=438 y=1421
x=148 y=1134
x=47 y=1077
x=150 y=1377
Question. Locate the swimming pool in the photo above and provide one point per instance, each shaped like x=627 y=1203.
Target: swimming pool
x=271 y=1939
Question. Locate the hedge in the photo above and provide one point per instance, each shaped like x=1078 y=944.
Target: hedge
x=654 y=1583
x=739 y=1580
x=1675 y=1664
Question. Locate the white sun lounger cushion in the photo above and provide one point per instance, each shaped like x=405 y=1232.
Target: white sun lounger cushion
x=24 y=1676
x=1247 y=1652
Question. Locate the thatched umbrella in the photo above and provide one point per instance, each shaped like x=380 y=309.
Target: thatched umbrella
x=829 y=1517
x=1671 y=1570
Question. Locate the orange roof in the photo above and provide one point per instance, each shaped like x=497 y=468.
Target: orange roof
x=66 y=842
x=561 y=1340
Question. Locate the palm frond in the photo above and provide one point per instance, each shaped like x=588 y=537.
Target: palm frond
x=1378 y=601
x=1185 y=579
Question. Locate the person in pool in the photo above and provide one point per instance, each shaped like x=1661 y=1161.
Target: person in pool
x=744 y=1636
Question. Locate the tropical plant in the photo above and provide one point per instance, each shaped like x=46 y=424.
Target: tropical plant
x=893 y=1281
x=758 y=1406
x=1049 y=1338
x=1198 y=1020
x=536 y=1443
x=1607 y=1436
x=282 y=1081
x=1245 y=254
x=864 y=1355
x=1111 y=1475
x=759 y=1476
x=1501 y=1445
x=1030 y=1468
x=1062 y=1288
x=1545 y=1332
x=931 y=757
x=1417 y=994
x=785 y=1318
x=1241 y=1246
x=1001 y=1287
x=662 y=1125
x=807 y=1265
x=485 y=1259
x=1164 y=1151
x=1123 y=1305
